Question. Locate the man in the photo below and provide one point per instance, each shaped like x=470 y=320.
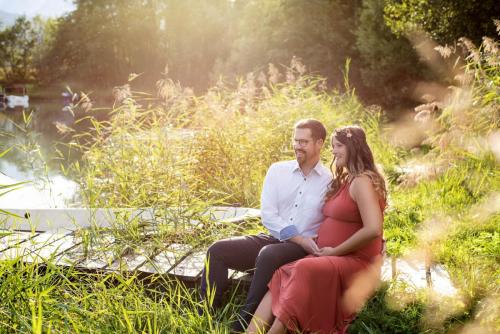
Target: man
x=291 y=202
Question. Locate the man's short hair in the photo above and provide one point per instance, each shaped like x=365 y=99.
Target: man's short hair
x=317 y=128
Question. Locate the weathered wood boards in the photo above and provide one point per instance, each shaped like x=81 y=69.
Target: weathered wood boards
x=33 y=249
x=53 y=238
x=70 y=219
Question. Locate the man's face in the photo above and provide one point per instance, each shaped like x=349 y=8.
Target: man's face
x=305 y=147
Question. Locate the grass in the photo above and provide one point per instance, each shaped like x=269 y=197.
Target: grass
x=188 y=153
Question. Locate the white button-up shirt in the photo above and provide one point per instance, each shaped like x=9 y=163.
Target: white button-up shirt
x=291 y=202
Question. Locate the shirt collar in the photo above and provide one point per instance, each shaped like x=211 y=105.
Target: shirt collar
x=319 y=169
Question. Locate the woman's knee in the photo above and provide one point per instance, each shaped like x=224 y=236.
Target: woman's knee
x=315 y=266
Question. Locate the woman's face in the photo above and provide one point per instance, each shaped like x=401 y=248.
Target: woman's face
x=340 y=153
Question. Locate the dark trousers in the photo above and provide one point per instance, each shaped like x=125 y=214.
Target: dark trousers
x=261 y=252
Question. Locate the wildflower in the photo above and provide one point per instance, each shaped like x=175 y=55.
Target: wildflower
x=423 y=116
x=463 y=78
x=121 y=93
x=274 y=74
x=431 y=107
x=262 y=79
x=497 y=25
x=374 y=109
x=490 y=45
x=62 y=128
x=471 y=48
x=297 y=65
x=444 y=51
x=133 y=76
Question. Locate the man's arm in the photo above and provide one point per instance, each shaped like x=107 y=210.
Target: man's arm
x=269 y=204
x=271 y=219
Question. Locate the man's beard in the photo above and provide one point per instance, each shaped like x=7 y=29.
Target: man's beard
x=302 y=158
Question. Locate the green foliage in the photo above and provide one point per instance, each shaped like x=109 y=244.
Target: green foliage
x=139 y=37
x=24 y=44
x=445 y=21
x=190 y=152
x=379 y=317
x=273 y=31
x=59 y=301
x=196 y=36
x=223 y=157
x=16 y=54
x=389 y=64
x=201 y=41
x=100 y=33
x=457 y=205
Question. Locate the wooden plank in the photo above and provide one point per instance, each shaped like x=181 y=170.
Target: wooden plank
x=70 y=219
x=99 y=260
x=130 y=261
x=233 y=214
x=50 y=251
x=94 y=258
x=4 y=233
x=166 y=259
x=191 y=267
x=15 y=238
x=240 y=276
x=31 y=245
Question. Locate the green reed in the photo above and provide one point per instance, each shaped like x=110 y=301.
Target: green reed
x=180 y=154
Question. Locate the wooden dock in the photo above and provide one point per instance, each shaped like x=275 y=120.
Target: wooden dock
x=58 y=236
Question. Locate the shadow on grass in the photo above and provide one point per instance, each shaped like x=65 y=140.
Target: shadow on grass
x=378 y=317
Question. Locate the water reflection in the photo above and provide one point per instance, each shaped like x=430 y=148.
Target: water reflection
x=37 y=153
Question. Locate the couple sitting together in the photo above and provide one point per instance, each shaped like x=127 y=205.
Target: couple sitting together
x=322 y=256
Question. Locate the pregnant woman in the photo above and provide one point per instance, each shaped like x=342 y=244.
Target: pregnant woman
x=321 y=293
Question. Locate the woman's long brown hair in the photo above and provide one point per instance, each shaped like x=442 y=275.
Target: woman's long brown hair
x=359 y=162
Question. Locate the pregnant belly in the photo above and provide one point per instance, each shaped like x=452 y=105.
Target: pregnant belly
x=334 y=232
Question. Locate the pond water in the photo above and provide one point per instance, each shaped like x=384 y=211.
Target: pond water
x=33 y=157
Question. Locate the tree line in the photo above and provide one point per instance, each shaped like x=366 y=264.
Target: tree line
x=201 y=41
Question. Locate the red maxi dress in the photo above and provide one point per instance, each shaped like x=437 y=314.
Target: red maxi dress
x=322 y=294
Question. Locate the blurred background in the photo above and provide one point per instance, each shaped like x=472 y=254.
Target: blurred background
x=95 y=45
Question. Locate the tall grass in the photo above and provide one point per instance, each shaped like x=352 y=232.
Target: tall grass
x=51 y=299
x=215 y=147
x=450 y=212
x=181 y=154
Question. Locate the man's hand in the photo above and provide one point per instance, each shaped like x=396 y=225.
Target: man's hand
x=308 y=244
x=325 y=251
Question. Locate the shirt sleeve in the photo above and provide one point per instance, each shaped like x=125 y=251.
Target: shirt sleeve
x=269 y=206
x=288 y=232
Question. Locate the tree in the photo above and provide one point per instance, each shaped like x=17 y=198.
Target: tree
x=196 y=35
x=103 y=41
x=17 y=45
x=444 y=20
x=389 y=64
x=273 y=31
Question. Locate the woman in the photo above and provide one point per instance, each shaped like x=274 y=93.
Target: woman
x=322 y=292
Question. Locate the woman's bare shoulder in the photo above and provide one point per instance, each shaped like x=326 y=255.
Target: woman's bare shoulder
x=361 y=181
x=361 y=184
